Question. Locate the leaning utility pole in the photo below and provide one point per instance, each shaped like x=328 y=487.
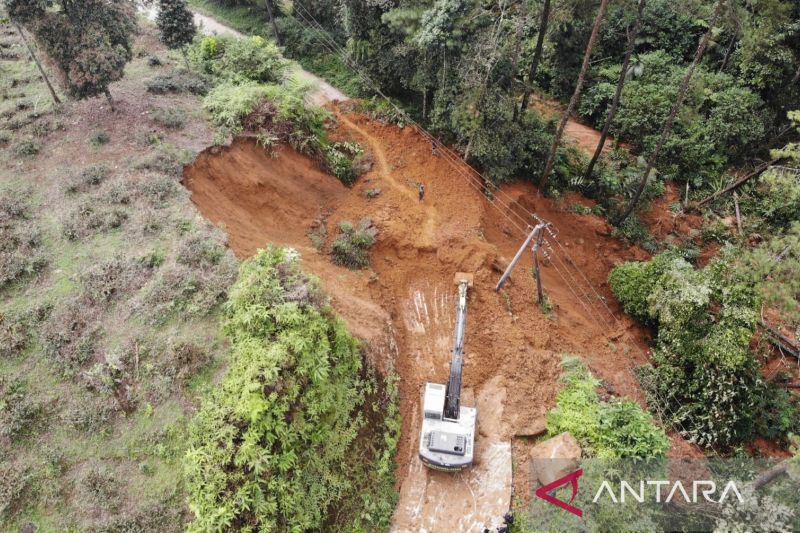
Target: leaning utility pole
x=536 y=236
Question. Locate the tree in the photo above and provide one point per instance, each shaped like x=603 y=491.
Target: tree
x=623 y=75
x=269 y=6
x=537 y=56
x=176 y=25
x=573 y=102
x=653 y=159
x=90 y=41
x=53 y=95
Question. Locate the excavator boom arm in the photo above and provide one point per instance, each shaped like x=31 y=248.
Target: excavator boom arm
x=453 y=397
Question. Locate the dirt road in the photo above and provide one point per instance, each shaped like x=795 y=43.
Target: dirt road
x=321 y=92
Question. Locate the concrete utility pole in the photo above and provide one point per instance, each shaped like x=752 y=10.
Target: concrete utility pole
x=536 y=236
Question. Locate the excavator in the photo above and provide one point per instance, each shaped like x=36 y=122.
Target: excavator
x=447 y=438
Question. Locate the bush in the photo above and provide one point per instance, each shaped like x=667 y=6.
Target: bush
x=351 y=246
x=171 y=118
x=21 y=251
x=177 y=82
x=71 y=334
x=156 y=189
x=112 y=278
x=15 y=478
x=289 y=403
x=340 y=158
x=194 y=286
x=19 y=414
x=702 y=371
x=633 y=282
x=89 y=218
x=606 y=429
x=228 y=104
x=780 y=196
x=27 y=148
x=239 y=60
x=89 y=177
x=15 y=332
x=99 y=138
x=162 y=162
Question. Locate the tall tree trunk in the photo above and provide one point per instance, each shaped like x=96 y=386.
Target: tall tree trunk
x=796 y=76
x=35 y=59
x=573 y=102
x=522 y=19
x=727 y=54
x=268 y=5
x=185 y=57
x=618 y=93
x=108 y=97
x=537 y=56
x=653 y=159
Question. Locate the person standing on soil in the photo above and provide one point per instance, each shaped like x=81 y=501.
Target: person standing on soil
x=421 y=191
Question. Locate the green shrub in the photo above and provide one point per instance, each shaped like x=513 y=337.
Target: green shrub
x=239 y=60
x=228 y=104
x=157 y=189
x=112 y=279
x=351 y=246
x=27 y=148
x=702 y=374
x=170 y=117
x=340 y=158
x=87 y=178
x=178 y=82
x=272 y=446
x=99 y=138
x=71 y=334
x=161 y=161
x=780 y=196
x=15 y=333
x=21 y=252
x=19 y=414
x=633 y=282
x=606 y=429
x=15 y=479
x=89 y=218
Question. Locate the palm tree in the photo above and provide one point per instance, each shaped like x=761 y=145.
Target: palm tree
x=684 y=88
x=623 y=75
x=573 y=102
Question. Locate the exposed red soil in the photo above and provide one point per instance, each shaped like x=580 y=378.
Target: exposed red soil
x=258 y=199
x=585 y=137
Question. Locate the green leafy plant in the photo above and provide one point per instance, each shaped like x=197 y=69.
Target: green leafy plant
x=606 y=429
x=351 y=246
x=273 y=445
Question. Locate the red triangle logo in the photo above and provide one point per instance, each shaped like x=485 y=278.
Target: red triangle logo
x=544 y=492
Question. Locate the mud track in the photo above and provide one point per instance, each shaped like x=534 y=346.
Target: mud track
x=403 y=305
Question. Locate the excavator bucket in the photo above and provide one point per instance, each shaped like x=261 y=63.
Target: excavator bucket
x=463 y=277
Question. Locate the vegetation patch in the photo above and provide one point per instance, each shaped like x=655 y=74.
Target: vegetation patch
x=21 y=249
x=351 y=246
x=609 y=429
x=703 y=374
x=289 y=402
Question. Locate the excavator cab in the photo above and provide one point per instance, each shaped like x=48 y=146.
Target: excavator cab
x=447 y=438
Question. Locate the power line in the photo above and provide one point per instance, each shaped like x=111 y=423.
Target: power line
x=481 y=186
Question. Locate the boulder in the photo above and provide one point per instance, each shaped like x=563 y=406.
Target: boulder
x=554 y=458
